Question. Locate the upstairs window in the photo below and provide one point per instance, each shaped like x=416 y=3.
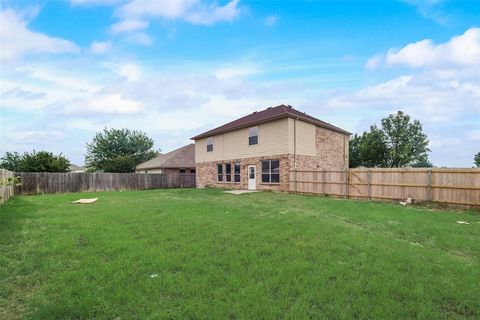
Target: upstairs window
x=182 y=171
x=219 y=172
x=209 y=144
x=271 y=171
x=252 y=136
x=237 y=172
x=228 y=172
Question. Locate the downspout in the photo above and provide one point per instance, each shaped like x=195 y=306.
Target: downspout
x=295 y=150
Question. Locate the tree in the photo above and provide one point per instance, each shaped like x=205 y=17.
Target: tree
x=42 y=161
x=405 y=140
x=10 y=161
x=424 y=163
x=399 y=143
x=118 y=150
x=476 y=160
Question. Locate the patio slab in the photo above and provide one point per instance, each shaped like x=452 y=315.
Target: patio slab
x=240 y=191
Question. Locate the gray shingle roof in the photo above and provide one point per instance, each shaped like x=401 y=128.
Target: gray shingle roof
x=183 y=157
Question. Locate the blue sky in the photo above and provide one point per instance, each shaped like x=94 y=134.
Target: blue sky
x=176 y=68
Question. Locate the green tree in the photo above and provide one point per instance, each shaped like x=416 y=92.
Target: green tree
x=355 y=158
x=424 y=163
x=118 y=150
x=42 y=161
x=405 y=140
x=476 y=160
x=10 y=161
x=399 y=143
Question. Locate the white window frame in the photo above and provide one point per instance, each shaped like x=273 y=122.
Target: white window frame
x=210 y=143
x=252 y=132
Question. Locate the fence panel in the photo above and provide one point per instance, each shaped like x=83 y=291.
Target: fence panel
x=48 y=182
x=450 y=186
x=5 y=191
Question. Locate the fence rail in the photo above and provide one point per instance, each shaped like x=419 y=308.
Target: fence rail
x=5 y=191
x=48 y=182
x=450 y=186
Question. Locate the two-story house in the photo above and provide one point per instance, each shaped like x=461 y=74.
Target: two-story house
x=260 y=150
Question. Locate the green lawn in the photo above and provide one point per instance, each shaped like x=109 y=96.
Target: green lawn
x=222 y=256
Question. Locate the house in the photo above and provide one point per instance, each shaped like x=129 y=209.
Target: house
x=76 y=169
x=263 y=150
x=181 y=160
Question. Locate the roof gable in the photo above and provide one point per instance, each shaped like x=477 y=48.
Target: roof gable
x=269 y=114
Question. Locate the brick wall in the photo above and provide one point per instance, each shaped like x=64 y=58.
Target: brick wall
x=332 y=149
x=207 y=173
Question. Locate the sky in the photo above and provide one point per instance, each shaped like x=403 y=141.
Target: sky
x=174 y=69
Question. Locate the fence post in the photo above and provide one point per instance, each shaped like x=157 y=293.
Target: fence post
x=429 y=185
x=369 y=181
x=323 y=182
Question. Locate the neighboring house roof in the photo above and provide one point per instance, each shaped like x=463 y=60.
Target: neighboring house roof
x=74 y=167
x=183 y=157
x=269 y=114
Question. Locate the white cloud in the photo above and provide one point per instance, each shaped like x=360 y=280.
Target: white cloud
x=193 y=11
x=270 y=21
x=16 y=39
x=140 y=38
x=170 y=105
x=99 y=47
x=95 y=2
x=431 y=9
x=130 y=71
x=35 y=135
x=128 y=26
x=442 y=90
x=96 y=104
x=232 y=72
x=374 y=62
x=475 y=135
x=462 y=50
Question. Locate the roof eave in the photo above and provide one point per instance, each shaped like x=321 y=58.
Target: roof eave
x=207 y=134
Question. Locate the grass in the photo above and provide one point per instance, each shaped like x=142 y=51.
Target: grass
x=222 y=256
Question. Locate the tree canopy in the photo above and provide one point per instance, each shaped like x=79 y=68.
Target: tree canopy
x=476 y=160
x=42 y=161
x=118 y=150
x=400 y=142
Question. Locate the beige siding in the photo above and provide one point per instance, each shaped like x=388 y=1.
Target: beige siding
x=316 y=147
x=273 y=139
x=305 y=136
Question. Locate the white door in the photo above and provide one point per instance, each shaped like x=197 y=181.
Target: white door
x=252 y=175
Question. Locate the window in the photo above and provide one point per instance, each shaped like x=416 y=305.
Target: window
x=182 y=171
x=228 y=172
x=271 y=171
x=219 y=172
x=192 y=171
x=237 y=172
x=253 y=136
x=209 y=144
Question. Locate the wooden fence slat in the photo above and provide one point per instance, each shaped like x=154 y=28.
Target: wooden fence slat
x=450 y=186
x=6 y=191
x=51 y=182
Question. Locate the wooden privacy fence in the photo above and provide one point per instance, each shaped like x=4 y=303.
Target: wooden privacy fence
x=450 y=186
x=5 y=191
x=48 y=182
